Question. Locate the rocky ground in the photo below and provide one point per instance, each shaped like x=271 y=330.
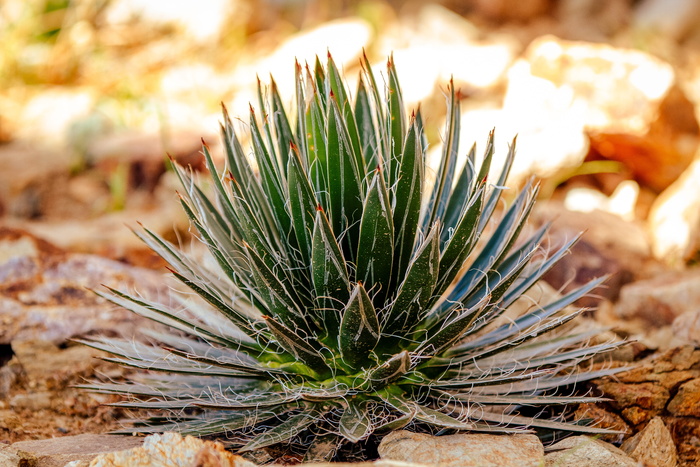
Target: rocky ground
x=605 y=98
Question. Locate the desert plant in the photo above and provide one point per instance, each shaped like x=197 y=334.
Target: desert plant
x=352 y=296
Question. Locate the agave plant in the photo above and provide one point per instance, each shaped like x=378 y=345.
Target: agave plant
x=353 y=295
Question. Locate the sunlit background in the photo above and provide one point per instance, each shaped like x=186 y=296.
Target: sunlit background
x=603 y=95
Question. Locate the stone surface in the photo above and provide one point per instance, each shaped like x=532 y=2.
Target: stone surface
x=674 y=219
x=57 y=452
x=609 y=246
x=171 y=449
x=642 y=394
x=687 y=401
x=653 y=445
x=44 y=291
x=687 y=327
x=579 y=451
x=658 y=301
x=463 y=450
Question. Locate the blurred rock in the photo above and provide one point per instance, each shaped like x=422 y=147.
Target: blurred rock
x=44 y=292
x=592 y=20
x=653 y=445
x=57 y=452
x=32 y=179
x=511 y=10
x=583 y=450
x=609 y=245
x=142 y=157
x=48 y=116
x=674 y=18
x=687 y=327
x=659 y=300
x=674 y=220
x=172 y=449
x=463 y=450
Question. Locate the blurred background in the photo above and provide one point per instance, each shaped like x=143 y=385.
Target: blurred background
x=604 y=95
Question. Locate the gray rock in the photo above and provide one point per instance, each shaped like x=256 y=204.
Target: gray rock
x=463 y=450
x=57 y=452
x=580 y=451
x=653 y=445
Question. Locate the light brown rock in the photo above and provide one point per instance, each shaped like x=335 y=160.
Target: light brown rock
x=687 y=400
x=171 y=449
x=658 y=301
x=463 y=450
x=578 y=451
x=653 y=445
x=45 y=292
x=674 y=219
x=57 y=452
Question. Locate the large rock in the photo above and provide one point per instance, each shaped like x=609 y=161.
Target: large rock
x=463 y=450
x=674 y=219
x=660 y=300
x=57 y=452
x=584 y=451
x=642 y=393
x=171 y=449
x=45 y=292
x=653 y=445
x=609 y=246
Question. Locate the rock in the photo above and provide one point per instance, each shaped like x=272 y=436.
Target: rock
x=653 y=445
x=658 y=301
x=48 y=115
x=32 y=179
x=674 y=219
x=687 y=327
x=463 y=450
x=674 y=18
x=57 y=452
x=687 y=401
x=604 y=418
x=646 y=396
x=172 y=449
x=609 y=246
x=142 y=156
x=686 y=433
x=561 y=91
x=582 y=450
x=33 y=401
x=44 y=291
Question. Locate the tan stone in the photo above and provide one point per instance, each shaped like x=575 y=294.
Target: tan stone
x=463 y=450
x=653 y=445
x=579 y=451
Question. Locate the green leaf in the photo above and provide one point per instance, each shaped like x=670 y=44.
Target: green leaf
x=396 y=122
x=407 y=200
x=416 y=291
x=359 y=329
x=290 y=428
x=376 y=248
x=443 y=183
x=389 y=371
x=366 y=127
x=273 y=180
x=299 y=347
x=355 y=423
x=337 y=89
x=285 y=137
x=329 y=274
x=344 y=180
x=302 y=205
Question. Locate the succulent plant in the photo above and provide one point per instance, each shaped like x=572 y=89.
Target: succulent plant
x=353 y=295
